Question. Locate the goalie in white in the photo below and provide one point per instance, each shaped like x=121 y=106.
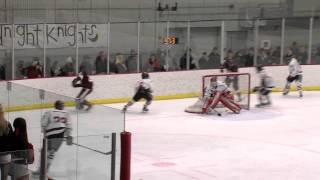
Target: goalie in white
x=265 y=87
x=219 y=92
x=295 y=74
x=143 y=90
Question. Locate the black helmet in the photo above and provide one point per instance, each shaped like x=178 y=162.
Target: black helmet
x=59 y=105
x=259 y=68
x=145 y=75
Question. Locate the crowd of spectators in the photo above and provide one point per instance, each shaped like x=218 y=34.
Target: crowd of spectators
x=14 y=149
x=159 y=60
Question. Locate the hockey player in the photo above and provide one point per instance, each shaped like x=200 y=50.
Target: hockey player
x=265 y=87
x=83 y=80
x=143 y=90
x=232 y=79
x=55 y=126
x=219 y=92
x=295 y=74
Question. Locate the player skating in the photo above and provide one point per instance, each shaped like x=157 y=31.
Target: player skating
x=219 y=92
x=143 y=90
x=86 y=84
x=264 y=88
x=295 y=74
x=55 y=126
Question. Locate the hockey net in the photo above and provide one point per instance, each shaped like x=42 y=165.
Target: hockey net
x=238 y=83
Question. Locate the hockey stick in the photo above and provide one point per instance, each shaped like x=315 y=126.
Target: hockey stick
x=219 y=114
x=86 y=147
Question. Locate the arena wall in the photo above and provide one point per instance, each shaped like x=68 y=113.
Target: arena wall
x=167 y=85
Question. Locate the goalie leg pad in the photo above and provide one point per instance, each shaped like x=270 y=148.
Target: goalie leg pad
x=228 y=103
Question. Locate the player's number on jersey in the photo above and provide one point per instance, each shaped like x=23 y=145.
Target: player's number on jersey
x=60 y=119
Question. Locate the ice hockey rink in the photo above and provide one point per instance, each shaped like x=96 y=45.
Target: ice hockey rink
x=278 y=142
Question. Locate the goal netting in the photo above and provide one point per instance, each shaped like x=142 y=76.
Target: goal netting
x=238 y=83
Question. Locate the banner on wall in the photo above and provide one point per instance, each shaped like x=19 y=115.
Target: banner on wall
x=52 y=35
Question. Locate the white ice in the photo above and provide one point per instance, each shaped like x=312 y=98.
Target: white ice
x=274 y=143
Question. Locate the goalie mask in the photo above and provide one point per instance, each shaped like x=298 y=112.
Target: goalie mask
x=213 y=82
x=145 y=75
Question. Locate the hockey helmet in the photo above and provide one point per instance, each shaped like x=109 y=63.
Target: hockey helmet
x=145 y=75
x=259 y=68
x=59 y=105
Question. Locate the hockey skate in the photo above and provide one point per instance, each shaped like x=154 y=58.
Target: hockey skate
x=263 y=104
x=145 y=109
x=300 y=94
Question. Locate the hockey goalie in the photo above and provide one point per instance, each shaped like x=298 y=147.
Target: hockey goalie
x=217 y=92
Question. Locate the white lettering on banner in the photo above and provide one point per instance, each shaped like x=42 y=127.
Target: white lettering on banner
x=54 y=35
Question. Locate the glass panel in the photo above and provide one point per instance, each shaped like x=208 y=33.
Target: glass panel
x=123 y=47
x=153 y=48
x=269 y=42
x=61 y=49
x=239 y=42
x=296 y=39
x=28 y=54
x=93 y=41
x=205 y=40
x=179 y=51
x=6 y=33
x=315 y=53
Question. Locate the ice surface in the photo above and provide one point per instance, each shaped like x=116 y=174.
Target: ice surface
x=274 y=143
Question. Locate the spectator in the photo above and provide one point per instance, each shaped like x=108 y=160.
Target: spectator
x=5 y=141
x=302 y=56
x=19 y=167
x=294 y=48
x=68 y=68
x=214 y=58
x=249 y=58
x=86 y=65
x=20 y=70
x=55 y=69
x=101 y=63
x=35 y=70
x=155 y=63
x=120 y=64
x=183 y=61
x=228 y=61
x=275 y=56
x=204 y=61
x=131 y=61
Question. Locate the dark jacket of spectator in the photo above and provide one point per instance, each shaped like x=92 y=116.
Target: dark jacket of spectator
x=20 y=140
x=101 y=63
x=35 y=70
x=2 y=72
x=132 y=61
x=183 y=62
x=204 y=61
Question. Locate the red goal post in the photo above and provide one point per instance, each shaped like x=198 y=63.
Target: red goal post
x=238 y=83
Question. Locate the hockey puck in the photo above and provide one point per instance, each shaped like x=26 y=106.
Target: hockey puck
x=219 y=114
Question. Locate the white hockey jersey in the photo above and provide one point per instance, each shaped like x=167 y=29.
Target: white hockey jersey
x=220 y=87
x=55 y=122
x=294 y=67
x=265 y=80
x=146 y=84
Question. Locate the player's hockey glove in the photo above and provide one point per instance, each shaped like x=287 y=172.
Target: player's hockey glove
x=75 y=81
x=69 y=140
x=256 y=89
